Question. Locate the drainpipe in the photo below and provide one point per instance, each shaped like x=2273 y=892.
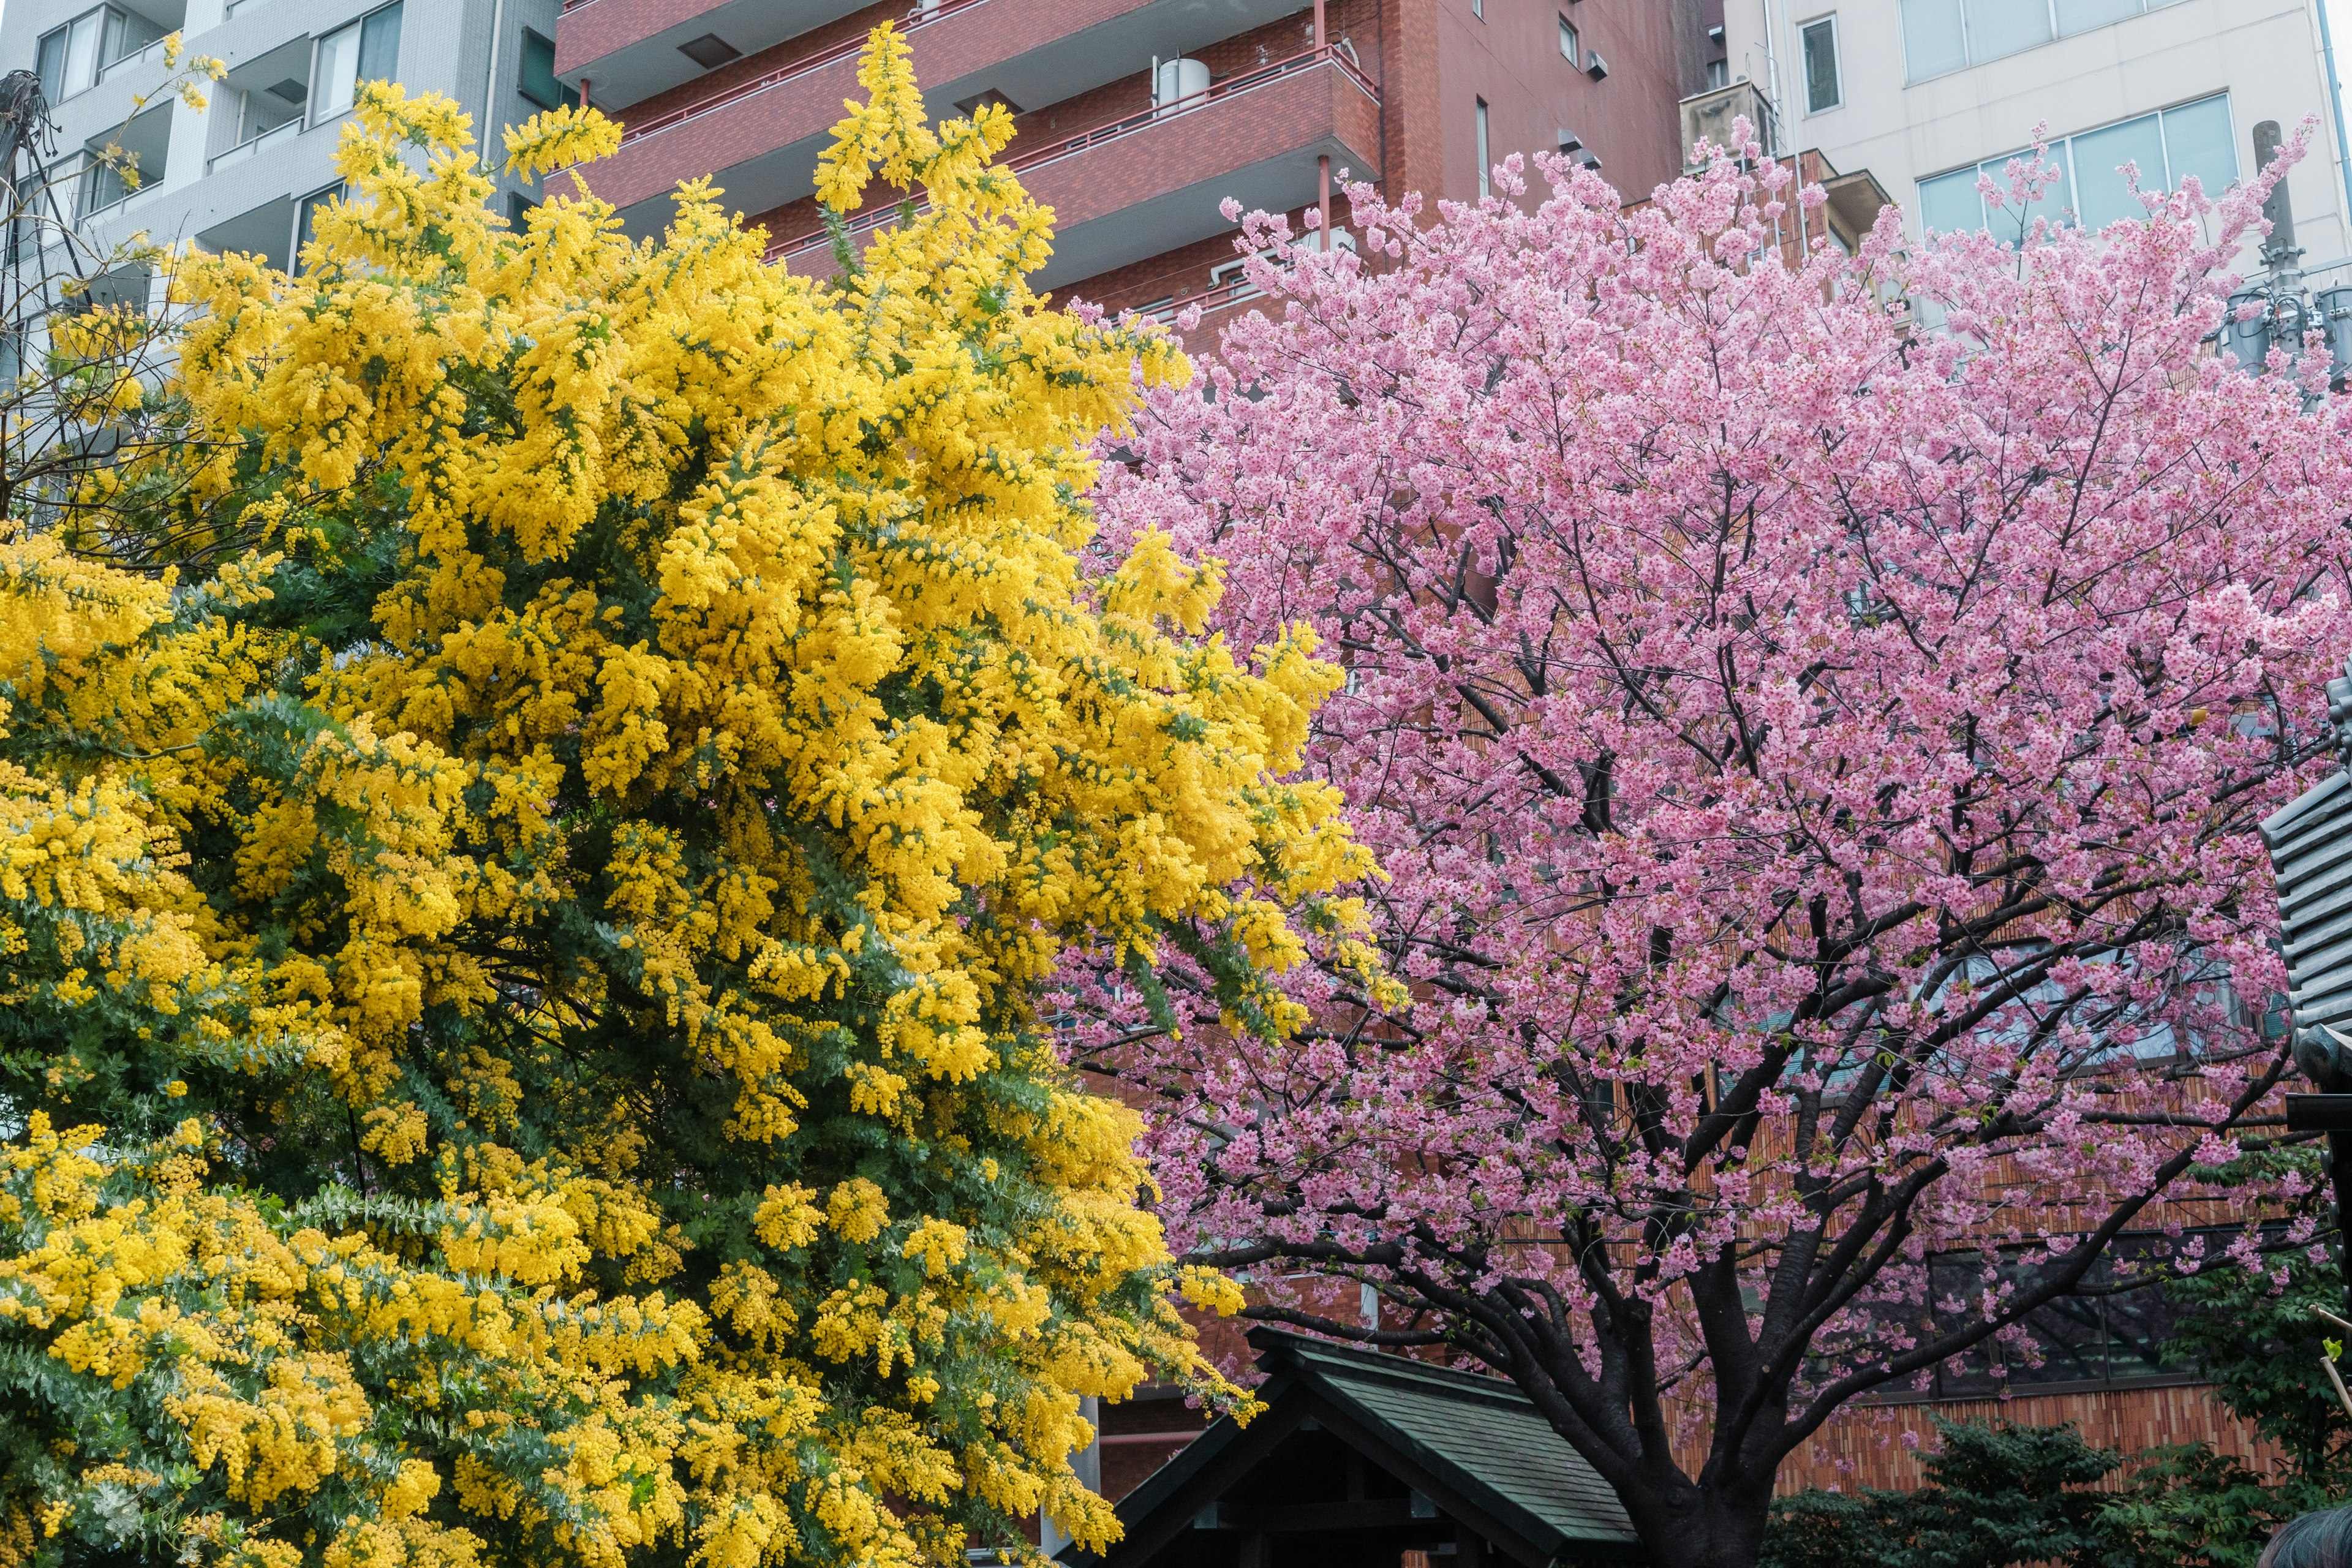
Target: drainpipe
x=2336 y=99
x=1772 y=79
x=1322 y=163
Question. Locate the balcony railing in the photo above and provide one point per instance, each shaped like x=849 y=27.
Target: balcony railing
x=1070 y=146
x=254 y=144
x=1234 y=290
x=917 y=17
x=124 y=62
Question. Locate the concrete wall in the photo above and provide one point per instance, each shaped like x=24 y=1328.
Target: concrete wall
x=445 y=45
x=2263 y=53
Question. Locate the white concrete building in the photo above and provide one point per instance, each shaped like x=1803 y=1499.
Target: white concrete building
x=243 y=174
x=1926 y=93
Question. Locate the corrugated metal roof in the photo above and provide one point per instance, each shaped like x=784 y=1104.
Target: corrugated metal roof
x=2310 y=842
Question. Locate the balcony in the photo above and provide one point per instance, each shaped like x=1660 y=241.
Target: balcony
x=760 y=136
x=1147 y=184
x=629 y=50
x=255 y=143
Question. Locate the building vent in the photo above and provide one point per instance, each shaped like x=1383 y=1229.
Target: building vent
x=1594 y=66
x=709 y=51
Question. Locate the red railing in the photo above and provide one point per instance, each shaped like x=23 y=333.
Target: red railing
x=915 y=18
x=1234 y=290
x=1069 y=146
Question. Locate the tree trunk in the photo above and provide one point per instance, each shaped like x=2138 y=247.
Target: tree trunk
x=1685 y=1525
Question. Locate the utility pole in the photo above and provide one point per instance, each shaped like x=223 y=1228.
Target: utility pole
x=2284 y=308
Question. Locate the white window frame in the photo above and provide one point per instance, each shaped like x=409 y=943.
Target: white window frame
x=106 y=19
x=1485 y=163
x=1971 y=61
x=313 y=115
x=302 y=205
x=1837 y=62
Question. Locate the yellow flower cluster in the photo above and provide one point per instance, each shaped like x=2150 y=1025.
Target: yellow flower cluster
x=587 y=829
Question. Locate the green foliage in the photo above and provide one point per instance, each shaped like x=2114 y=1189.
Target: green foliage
x=1995 y=1495
x=2003 y=1494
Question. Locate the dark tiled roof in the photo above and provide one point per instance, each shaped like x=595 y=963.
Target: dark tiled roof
x=1475 y=1445
x=1480 y=1434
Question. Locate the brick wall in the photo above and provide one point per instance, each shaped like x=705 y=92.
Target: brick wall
x=816 y=40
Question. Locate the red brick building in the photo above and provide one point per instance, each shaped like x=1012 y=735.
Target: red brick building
x=1138 y=117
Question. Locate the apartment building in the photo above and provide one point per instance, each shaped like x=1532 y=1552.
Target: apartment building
x=246 y=174
x=1136 y=118
x=1926 y=94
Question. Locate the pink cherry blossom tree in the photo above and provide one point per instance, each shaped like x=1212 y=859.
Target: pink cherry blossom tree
x=1815 y=755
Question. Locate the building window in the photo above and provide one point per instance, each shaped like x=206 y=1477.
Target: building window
x=306 y=213
x=538 y=83
x=1944 y=36
x=1570 y=49
x=104 y=184
x=2169 y=147
x=73 y=58
x=1485 y=165
x=366 y=50
x=1820 y=43
x=1478 y=9
x=1718 y=73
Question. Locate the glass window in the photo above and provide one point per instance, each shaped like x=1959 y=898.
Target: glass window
x=380 y=46
x=2193 y=139
x=103 y=186
x=127 y=33
x=72 y=58
x=2101 y=194
x=51 y=65
x=2197 y=141
x=1997 y=27
x=306 y=212
x=1820 y=41
x=81 y=51
x=1567 y=46
x=1944 y=36
x=538 y=82
x=1935 y=41
x=365 y=50
x=2081 y=16
x=1485 y=166
x=1949 y=204
x=2011 y=221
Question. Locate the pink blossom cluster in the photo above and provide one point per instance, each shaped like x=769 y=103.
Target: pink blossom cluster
x=1813 y=713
